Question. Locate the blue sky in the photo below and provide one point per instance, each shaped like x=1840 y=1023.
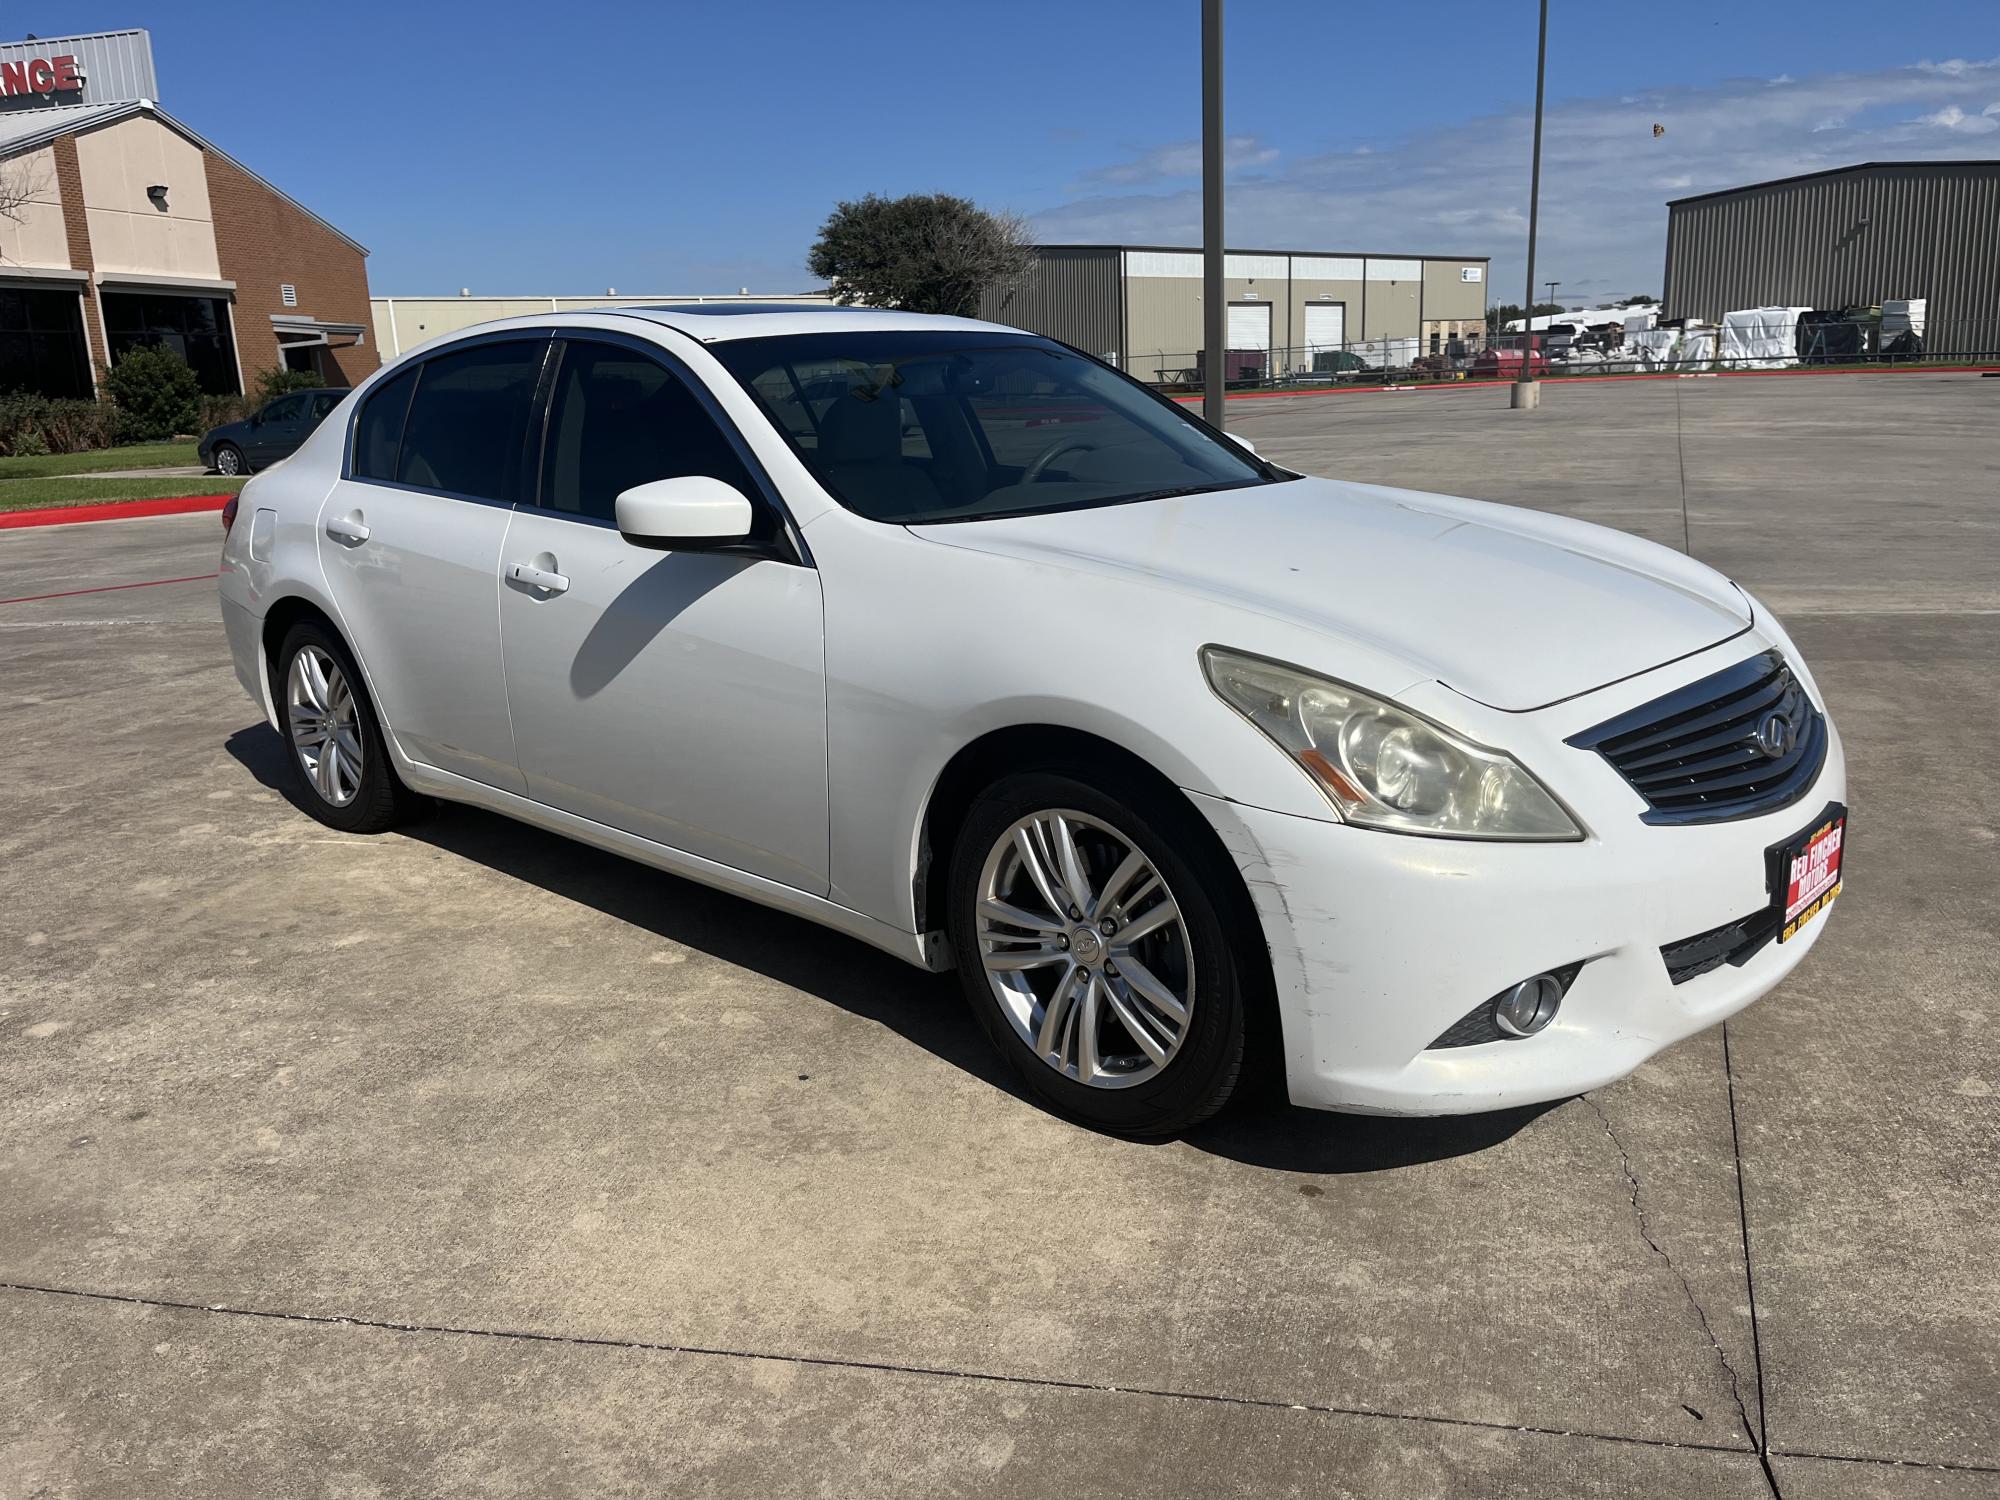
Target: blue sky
x=683 y=147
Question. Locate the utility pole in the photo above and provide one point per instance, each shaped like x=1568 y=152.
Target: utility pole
x=1527 y=395
x=1214 y=310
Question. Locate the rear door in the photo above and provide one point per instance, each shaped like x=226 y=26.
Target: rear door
x=680 y=696
x=411 y=538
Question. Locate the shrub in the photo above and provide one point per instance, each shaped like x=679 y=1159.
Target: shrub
x=32 y=424
x=271 y=384
x=157 y=394
x=219 y=411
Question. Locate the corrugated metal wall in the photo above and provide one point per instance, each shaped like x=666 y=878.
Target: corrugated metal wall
x=1929 y=230
x=1072 y=294
x=114 y=65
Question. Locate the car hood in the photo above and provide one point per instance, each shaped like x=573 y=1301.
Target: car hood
x=1513 y=608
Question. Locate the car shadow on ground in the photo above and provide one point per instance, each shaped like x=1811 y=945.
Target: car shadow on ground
x=924 y=1009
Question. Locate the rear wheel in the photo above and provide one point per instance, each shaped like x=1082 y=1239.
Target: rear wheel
x=229 y=459
x=337 y=754
x=1092 y=935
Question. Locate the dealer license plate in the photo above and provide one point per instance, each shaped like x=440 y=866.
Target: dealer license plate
x=1808 y=873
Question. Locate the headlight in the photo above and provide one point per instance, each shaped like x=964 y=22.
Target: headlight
x=1381 y=766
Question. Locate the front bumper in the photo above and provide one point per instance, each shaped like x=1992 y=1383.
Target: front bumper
x=1379 y=942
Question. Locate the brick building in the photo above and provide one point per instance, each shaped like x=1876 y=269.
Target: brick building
x=121 y=227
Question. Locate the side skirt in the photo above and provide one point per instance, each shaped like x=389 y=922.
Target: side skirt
x=926 y=951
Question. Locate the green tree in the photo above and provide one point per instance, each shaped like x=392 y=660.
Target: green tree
x=928 y=252
x=271 y=384
x=1641 y=300
x=156 y=393
x=1497 y=318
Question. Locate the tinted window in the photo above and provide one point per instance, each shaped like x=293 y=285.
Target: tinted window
x=195 y=328
x=620 y=419
x=378 y=434
x=468 y=419
x=323 y=403
x=41 y=343
x=921 y=426
x=285 y=409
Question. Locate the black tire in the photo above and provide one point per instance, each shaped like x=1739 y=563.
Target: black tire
x=1198 y=1078
x=229 y=460
x=379 y=800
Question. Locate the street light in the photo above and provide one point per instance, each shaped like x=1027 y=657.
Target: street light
x=1214 y=318
x=1552 y=292
x=1527 y=395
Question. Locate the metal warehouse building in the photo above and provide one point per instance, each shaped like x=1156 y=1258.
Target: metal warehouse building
x=1139 y=306
x=1854 y=235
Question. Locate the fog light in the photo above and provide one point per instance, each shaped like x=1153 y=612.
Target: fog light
x=1528 y=1006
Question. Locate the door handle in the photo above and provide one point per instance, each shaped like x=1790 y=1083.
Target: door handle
x=538 y=578
x=347 y=529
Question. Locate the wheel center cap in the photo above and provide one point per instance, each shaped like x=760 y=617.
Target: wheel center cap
x=1085 y=946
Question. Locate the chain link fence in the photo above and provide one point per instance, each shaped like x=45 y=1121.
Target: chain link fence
x=1859 y=338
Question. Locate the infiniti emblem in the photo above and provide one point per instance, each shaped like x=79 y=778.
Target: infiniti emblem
x=1775 y=736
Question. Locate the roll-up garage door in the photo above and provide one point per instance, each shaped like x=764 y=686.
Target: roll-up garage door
x=1250 y=326
x=1326 y=325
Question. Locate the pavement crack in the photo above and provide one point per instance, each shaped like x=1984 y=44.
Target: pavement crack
x=1644 y=1223
x=887 y=1367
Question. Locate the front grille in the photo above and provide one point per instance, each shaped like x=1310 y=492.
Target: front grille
x=1695 y=754
x=1732 y=943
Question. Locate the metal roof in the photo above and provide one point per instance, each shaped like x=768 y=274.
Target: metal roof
x=28 y=129
x=1242 y=250
x=1940 y=166
x=25 y=129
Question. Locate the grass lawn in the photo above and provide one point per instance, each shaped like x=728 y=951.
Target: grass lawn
x=33 y=494
x=135 y=456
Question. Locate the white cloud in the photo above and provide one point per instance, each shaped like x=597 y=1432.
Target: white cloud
x=1179 y=159
x=1951 y=117
x=1462 y=188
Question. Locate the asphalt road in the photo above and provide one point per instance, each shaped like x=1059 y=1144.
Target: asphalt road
x=467 y=1161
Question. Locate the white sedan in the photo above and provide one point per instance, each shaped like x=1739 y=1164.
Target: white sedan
x=963 y=643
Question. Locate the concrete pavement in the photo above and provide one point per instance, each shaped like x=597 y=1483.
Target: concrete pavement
x=470 y=1161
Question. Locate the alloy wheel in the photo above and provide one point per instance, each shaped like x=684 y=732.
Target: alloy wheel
x=326 y=729
x=228 y=460
x=1085 y=949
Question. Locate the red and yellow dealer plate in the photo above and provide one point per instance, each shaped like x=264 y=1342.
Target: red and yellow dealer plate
x=1809 y=874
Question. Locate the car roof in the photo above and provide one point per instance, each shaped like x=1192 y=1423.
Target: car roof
x=718 y=322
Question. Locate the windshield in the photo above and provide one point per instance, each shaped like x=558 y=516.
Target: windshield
x=926 y=426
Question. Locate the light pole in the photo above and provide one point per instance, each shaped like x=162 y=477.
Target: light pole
x=1527 y=395
x=1214 y=318
x=1552 y=293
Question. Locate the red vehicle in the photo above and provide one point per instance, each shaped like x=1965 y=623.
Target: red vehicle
x=1501 y=359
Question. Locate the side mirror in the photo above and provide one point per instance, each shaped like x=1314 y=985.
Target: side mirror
x=1242 y=442
x=257 y=418
x=687 y=514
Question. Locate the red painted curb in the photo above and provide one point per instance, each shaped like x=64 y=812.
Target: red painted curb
x=112 y=510
x=1561 y=380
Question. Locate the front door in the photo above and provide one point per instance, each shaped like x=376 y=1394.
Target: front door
x=680 y=696
x=277 y=431
x=412 y=541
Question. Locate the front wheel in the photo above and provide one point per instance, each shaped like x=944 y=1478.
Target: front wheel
x=229 y=459
x=1093 y=939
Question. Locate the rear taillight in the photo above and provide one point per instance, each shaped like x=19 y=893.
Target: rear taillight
x=228 y=515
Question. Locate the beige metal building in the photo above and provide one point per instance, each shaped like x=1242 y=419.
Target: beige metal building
x=1140 y=306
x=402 y=323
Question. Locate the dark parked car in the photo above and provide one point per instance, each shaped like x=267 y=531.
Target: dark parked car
x=267 y=435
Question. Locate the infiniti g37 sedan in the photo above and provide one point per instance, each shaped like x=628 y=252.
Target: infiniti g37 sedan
x=963 y=643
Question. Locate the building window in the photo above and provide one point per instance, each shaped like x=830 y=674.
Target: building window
x=41 y=343
x=195 y=328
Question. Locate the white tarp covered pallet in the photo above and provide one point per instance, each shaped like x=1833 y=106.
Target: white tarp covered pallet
x=1761 y=338
x=1669 y=348
x=1902 y=315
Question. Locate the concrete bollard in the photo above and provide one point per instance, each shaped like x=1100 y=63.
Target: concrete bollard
x=1527 y=395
